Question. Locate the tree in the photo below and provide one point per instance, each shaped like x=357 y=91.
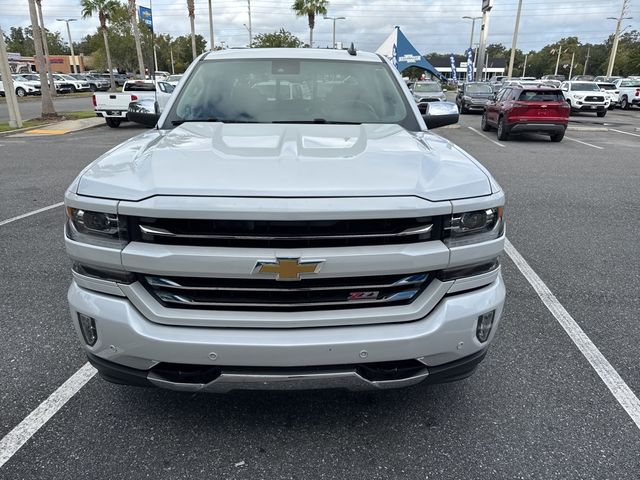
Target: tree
x=192 y=17
x=48 y=110
x=279 y=39
x=104 y=9
x=136 y=36
x=309 y=9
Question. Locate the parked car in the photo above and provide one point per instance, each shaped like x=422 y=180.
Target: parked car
x=612 y=92
x=473 y=96
x=22 y=86
x=76 y=85
x=118 y=78
x=604 y=78
x=520 y=109
x=174 y=79
x=586 y=97
x=425 y=91
x=629 y=92
x=582 y=78
x=96 y=84
x=561 y=78
x=113 y=107
x=247 y=243
x=161 y=75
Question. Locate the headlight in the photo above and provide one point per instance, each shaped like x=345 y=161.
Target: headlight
x=474 y=227
x=579 y=97
x=97 y=228
x=467 y=98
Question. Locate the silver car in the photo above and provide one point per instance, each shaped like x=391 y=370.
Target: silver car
x=428 y=92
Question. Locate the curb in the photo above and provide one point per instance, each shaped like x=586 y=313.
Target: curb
x=25 y=129
x=22 y=132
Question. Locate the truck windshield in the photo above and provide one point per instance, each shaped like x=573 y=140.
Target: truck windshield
x=585 y=87
x=291 y=91
x=427 y=87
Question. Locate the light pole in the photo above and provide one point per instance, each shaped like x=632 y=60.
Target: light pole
x=250 y=35
x=473 y=27
x=616 y=38
x=487 y=5
x=211 y=37
x=334 y=26
x=249 y=28
x=515 y=40
x=73 y=56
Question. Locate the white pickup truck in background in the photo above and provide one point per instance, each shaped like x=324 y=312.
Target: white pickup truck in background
x=113 y=106
x=629 y=92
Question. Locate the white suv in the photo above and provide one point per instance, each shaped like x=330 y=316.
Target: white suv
x=76 y=85
x=22 y=86
x=256 y=240
x=586 y=97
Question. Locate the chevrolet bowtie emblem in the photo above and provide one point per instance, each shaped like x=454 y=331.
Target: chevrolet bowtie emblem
x=288 y=268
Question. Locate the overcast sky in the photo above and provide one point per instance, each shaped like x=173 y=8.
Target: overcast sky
x=431 y=25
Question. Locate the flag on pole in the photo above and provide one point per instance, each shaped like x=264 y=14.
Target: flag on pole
x=146 y=17
x=454 y=72
x=470 y=64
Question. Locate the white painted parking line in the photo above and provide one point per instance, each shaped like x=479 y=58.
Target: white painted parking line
x=17 y=437
x=28 y=214
x=620 y=390
x=484 y=136
x=625 y=133
x=584 y=143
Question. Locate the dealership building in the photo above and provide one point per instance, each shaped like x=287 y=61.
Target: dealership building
x=59 y=63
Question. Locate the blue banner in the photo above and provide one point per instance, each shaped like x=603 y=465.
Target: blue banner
x=469 y=65
x=454 y=72
x=146 y=17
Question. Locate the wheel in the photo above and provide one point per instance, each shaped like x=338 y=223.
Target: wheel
x=601 y=113
x=93 y=88
x=484 y=125
x=73 y=89
x=557 y=137
x=503 y=130
x=571 y=110
x=624 y=103
x=113 y=122
x=463 y=108
x=21 y=92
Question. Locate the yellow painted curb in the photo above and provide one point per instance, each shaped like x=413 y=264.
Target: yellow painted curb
x=47 y=132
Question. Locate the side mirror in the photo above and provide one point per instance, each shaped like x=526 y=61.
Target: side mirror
x=143 y=112
x=439 y=114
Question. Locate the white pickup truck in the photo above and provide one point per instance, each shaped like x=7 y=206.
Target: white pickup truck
x=255 y=240
x=113 y=107
x=629 y=92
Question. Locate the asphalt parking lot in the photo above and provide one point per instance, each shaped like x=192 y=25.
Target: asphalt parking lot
x=535 y=409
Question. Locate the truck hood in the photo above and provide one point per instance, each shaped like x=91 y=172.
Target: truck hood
x=278 y=160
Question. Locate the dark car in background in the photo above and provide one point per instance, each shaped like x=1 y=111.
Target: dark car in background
x=520 y=109
x=473 y=96
x=96 y=84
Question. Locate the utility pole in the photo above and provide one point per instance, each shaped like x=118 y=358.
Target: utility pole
x=48 y=110
x=487 y=5
x=73 y=56
x=616 y=38
x=524 y=69
x=573 y=57
x=173 y=70
x=586 y=61
x=473 y=28
x=250 y=27
x=133 y=16
x=558 y=60
x=15 y=119
x=45 y=44
x=334 y=27
x=515 y=40
x=211 y=37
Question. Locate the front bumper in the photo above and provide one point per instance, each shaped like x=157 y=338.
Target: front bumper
x=242 y=357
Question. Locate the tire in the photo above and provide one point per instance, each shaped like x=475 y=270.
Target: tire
x=557 y=137
x=484 y=125
x=463 y=108
x=21 y=92
x=601 y=113
x=73 y=89
x=93 y=88
x=624 y=103
x=503 y=130
x=113 y=122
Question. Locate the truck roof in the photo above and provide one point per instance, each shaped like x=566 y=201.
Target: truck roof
x=299 y=53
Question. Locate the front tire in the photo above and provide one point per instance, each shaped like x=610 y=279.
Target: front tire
x=113 y=122
x=21 y=92
x=463 y=108
x=73 y=89
x=503 y=130
x=557 y=137
x=484 y=124
x=93 y=88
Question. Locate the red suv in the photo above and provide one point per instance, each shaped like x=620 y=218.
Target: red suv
x=530 y=108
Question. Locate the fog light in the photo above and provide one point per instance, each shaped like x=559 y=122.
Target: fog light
x=485 y=322
x=88 y=329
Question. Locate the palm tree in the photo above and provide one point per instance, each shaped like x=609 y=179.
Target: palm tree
x=104 y=9
x=192 y=17
x=310 y=8
x=136 y=36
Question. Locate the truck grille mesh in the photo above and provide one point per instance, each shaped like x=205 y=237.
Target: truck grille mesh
x=306 y=294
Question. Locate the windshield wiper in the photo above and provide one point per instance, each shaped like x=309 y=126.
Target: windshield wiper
x=204 y=120
x=317 y=121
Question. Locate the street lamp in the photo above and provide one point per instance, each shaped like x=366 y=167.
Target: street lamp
x=334 y=26
x=250 y=34
x=73 y=56
x=616 y=38
x=473 y=27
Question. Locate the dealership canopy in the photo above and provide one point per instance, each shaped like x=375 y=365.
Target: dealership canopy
x=399 y=50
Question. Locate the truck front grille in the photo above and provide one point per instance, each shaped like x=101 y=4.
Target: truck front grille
x=306 y=294
x=285 y=234
x=594 y=99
